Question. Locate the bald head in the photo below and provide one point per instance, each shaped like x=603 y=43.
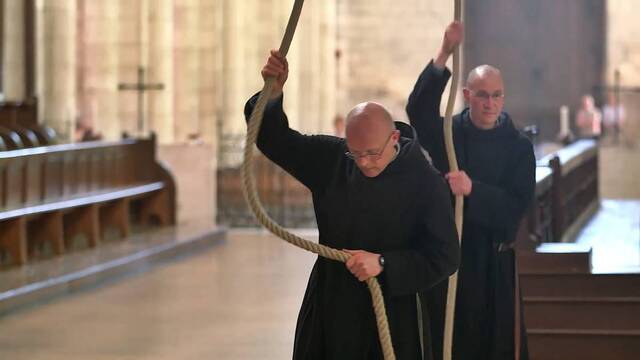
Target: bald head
x=368 y=114
x=484 y=94
x=481 y=73
x=371 y=137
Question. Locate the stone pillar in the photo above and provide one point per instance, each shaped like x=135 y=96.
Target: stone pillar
x=233 y=72
x=325 y=38
x=133 y=42
x=384 y=48
x=210 y=90
x=623 y=54
x=56 y=39
x=251 y=31
x=188 y=74
x=314 y=69
x=161 y=68
x=13 y=61
x=100 y=42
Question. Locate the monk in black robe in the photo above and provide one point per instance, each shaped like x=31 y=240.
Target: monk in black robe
x=375 y=194
x=497 y=180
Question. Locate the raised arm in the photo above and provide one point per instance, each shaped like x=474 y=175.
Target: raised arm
x=453 y=36
x=423 y=107
x=305 y=157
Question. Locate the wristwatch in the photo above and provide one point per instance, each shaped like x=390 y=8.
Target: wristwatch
x=381 y=261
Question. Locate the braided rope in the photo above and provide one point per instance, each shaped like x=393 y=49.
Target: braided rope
x=251 y=196
x=453 y=166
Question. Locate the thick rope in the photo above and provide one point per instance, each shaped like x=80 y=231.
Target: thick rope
x=251 y=196
x=453 y=166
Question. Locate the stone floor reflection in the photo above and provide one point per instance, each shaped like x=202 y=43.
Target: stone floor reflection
x=614 y=235
x=237 y=301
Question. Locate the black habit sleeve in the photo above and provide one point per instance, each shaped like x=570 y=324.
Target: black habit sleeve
x=497 y=207
x=306 y=157
x=437 y=252
x=423 y=109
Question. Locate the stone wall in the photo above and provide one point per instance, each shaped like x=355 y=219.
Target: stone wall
x=623 y=54
x=383 y=47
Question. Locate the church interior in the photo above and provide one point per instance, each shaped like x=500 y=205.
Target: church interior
x=124 y=231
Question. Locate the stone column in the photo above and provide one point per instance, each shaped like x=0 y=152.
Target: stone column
x=56 y=41
x=623 y=54
x=233 y=72
x=101 y=22
x=210 y=90
x=161 y=69
x=13 y=61
x=187 y=76
x=315 y=68
x=325 y=37
x=384 y=48
x=133 y=41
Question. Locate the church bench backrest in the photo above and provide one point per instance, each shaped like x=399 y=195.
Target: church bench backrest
x=566 y=188
x=22 y=118
x=85 y=188
x=50 y=173
x=576 y=184
x=11 y=138
x=28 y=136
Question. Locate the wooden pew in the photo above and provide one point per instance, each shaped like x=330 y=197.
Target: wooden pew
x=575 y=194
x=22 y=119
x=582 y=315
x=11 y=139
x=50 y=194
x=566 y=195
x=570 y=312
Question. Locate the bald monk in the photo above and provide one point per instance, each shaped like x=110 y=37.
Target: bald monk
x=376 y=196
x=497 y=180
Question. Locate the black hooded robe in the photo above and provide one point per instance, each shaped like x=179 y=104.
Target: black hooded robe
x=501 y=165
x=404 y=214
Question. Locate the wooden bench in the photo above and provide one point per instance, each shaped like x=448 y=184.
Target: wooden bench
x=571 y=312
x=11 y=139
x=566 y=195
x=51 y=194
x=21 y=119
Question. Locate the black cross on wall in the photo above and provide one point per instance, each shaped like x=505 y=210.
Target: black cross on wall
x=141 y=87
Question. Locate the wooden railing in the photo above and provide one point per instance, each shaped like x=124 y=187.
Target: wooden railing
x=287 y=201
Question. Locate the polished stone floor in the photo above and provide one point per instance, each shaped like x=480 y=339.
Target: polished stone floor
x=238 y=300
x=614 y=235
x=79 y=267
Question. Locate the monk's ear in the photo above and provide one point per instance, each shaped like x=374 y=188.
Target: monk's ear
x=396 y=135
x=467 y=95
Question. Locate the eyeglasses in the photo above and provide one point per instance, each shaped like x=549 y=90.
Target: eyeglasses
x=484 y=96
x=372 y=154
